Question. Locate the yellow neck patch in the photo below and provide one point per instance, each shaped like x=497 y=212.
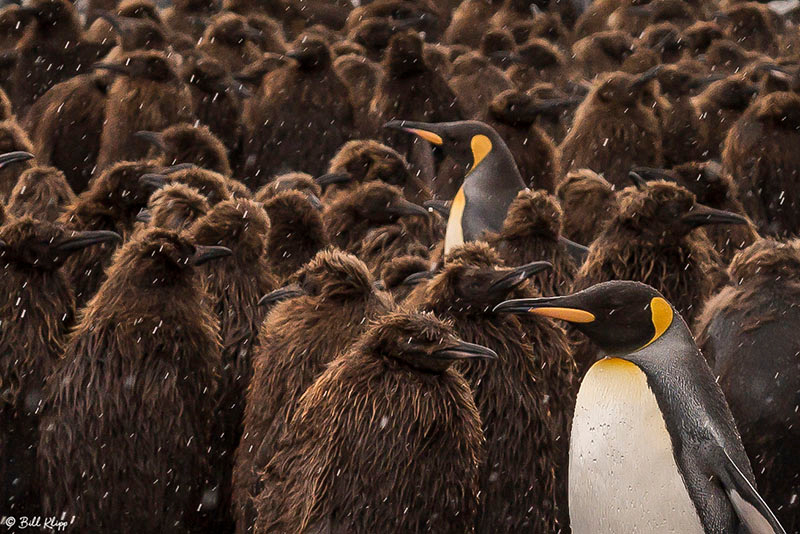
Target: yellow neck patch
x=481 y=146
x=662 y=315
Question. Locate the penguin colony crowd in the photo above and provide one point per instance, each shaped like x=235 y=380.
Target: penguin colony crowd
x=400 y=266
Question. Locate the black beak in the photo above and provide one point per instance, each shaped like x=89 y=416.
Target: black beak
x=177 y=168
x=11 y=157
x=81 y=240
x=113 y=67
x=154 y=138
x=402 y=207
x=703 y=215
x=465 y=351
x=315 y=201
x=416 y=278
x=563 y=308
x=647 y=76
x=334 y=178
x=512 y=278
x=153 y=180
x=204 y=254
x=638 y=181
x=284 y=293
x=639 y=174
x=422 y=130
x=697 y=83
x=578 y=252
x=144 y=216
x=442 y=207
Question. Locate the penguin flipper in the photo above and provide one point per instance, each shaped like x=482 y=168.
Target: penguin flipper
x=753 y=512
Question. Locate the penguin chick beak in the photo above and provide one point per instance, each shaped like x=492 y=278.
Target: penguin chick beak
x=81 y=240
x=417 y=278
x=284 y=293
x=204 y=254
x=113 y=67
x=702 y=215
x=420 y=129
x=638 y=181
x=144 y=216
x=153 y=180
x=11 y=157
x=177 y=168
x=314 y=201
x=154 y=138
x=334 y=178
x=649 y=173
x=464 y=351
x=578 y=252
x=442 y=207
x=402 y=207
x=511 y=278
x=553 y=307
x=647 y=76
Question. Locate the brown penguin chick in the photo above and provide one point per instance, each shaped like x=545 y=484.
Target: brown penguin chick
x=552 y=27
x=210 y=184
x=147 y=94
x=513 y=115
x=362 y=77
x=759 y=153
x=335 y=297
x=753 y=26
x=296 y=234
x=684 y=135
x=111 y=203
x=664 y=39
x=100 y=29
x=475 y=81
x=400 y=275
x=364 y=161
x=539 y=61
x=532 y=232
x=189 y=17
x=525 y=407
x=411 y=90
x=174 y=207
x=12 y=26
x=188 y=143
x=351 y=216
x=37 y=313
x=400 y=374
x=588 y=201
x=231 y=41
x=602 y=52
x=717 y=189
x=748 y=332
x=71 y=111
x=15 y=143
x=216 y=98
x=147 y=343
x=499 y=47
x=306 y=96
x=53 y=49
x=613 y=130
x=385 y=242
x=650 y=240
x=725 y=55
x=374 y=35
x=234 y=286
x=292 y=181
x=135 y=34
x=720 y=105
x=424 y=16
x=42 y=193
x=700 y=35
x=469 y=22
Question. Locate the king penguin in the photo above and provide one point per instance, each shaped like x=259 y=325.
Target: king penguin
x=654 y=447
x=492 y=179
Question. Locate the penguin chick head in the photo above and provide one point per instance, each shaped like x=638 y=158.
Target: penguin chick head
x=137 y=33
x=467 y=142
x=405 y=53
x=138 y=9
x=666 y=211
x=38 y=187
x=210 y=184
x=311 y=52
x=620 y=88
x=418 y=340
x=706 y=180
x=520 y=109
x=367 y=161
x=380 y=203
x=143 y=65
x=331 y=275
x=474 y=281
x=34 y=244
x=240 y=225
x=50 y=14
x=733 y=93
x=780 y=111
x=121 y=185
x=232 y=30
x=175 y=207
x=766 y=259
x=533 y=213
x=186 y=143
x=160 y=258
x=210 y=76
x=620 y=317
x=291 y=181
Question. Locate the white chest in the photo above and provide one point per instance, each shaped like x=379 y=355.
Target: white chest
x=623 y=477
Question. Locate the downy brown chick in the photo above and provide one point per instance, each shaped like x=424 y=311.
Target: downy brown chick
x=187 y=143
x=42 y=193
x=588 y=201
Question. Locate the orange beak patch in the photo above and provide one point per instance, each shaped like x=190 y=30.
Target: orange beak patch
x=426 y=135
x=572 y=315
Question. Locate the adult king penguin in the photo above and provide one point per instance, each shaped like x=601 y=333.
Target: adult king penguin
x=654 y=447
x=492 y=179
